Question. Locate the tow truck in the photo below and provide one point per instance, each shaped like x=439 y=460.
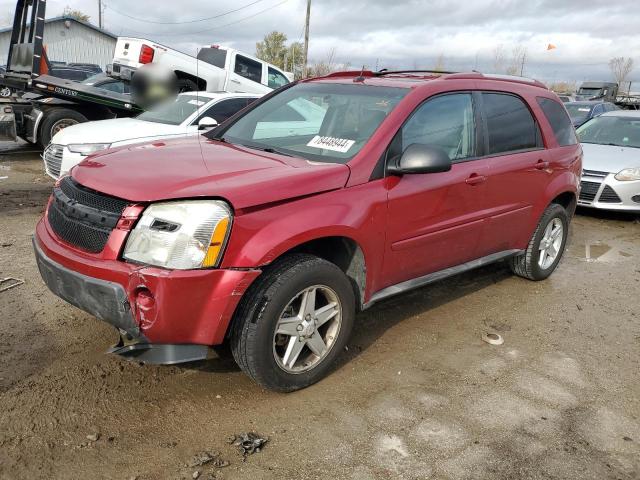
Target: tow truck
x=46 y=103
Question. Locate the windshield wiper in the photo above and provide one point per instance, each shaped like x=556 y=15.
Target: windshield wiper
x=267 y=149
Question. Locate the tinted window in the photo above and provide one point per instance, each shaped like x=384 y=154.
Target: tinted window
x=276 y=79
x=213 y=56
x=509 y=123
x=113 y=86
x=559 y=121
x=446 y=122
x=247 y=68
x=598 y=110
x=225 y=109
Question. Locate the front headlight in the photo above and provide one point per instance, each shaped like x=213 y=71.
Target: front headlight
x=181 y=235
x=87 y=148
x=628 y=174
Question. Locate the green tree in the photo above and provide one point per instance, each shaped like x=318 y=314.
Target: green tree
x=77 y=14
x=273 y=48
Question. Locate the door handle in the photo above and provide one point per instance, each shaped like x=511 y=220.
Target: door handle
x=475 y=179
x=235 y=81
x=541 y=165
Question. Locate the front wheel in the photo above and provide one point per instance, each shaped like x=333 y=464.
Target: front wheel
x=546 y=246
x=293 y=322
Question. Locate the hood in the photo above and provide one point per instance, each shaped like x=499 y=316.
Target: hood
x=198 y=167
x=609 y=158
x=115 y=130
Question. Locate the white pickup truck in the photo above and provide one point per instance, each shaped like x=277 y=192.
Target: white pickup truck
x=215 y=69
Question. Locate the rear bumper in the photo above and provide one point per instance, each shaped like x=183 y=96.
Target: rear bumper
x=178 y=306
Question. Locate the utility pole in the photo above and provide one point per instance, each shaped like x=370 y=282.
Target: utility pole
x=100 y=13
x=306 y=39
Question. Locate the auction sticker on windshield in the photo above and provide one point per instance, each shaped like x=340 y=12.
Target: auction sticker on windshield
x=341 y=145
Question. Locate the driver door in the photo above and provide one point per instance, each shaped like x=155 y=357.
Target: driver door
x=435 y=220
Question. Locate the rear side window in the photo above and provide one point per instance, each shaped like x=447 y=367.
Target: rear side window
x=446 y=122
x=510 y=125
x=276 y=79
x=247 y=68
x=213 y=56
x=559 y=121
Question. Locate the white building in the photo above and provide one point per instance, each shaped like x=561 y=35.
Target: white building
x=71 y=41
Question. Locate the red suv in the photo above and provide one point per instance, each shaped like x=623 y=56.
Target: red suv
x=270 y=232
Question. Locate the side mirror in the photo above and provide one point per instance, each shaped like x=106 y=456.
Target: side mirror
x=420 y=158
x=206 y=123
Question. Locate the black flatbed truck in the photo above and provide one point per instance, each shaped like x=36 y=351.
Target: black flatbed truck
x=45 y=104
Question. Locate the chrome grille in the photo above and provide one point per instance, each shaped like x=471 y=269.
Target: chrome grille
x=594 y=173
x=53 y=159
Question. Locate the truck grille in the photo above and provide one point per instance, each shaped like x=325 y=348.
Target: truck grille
x=609 y=195
x=82 y=217
x=588 y=191
x=53 y=159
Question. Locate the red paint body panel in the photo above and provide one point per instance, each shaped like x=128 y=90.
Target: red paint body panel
x=405 y=226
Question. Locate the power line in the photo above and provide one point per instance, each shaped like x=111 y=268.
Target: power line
x=186 y=21
x=156 y=34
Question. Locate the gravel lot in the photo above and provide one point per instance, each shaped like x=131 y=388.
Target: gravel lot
x=417 y=395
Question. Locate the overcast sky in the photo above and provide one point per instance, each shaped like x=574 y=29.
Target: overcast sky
x=396 y=33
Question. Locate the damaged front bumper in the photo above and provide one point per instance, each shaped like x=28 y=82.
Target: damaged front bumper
x=163 y=316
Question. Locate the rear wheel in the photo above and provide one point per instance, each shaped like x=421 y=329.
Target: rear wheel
x=293 y=323
x=546 y=246
x=56 y=120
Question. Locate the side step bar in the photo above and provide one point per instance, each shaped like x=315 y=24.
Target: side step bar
x=435 y=276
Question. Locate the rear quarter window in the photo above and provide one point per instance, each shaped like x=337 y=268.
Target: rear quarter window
x=559 y=120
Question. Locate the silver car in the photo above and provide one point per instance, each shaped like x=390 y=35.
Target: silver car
x=611 y=163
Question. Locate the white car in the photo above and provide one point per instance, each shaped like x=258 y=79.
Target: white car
x=611 y=162
x=185 y=115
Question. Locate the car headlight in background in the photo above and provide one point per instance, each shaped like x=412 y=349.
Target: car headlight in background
x=181 y=235
x=87 y=148
x=628 y=174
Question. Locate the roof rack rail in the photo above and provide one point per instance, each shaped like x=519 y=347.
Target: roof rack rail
x=382 y=72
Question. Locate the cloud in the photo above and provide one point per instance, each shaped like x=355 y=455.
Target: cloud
x=403 y=33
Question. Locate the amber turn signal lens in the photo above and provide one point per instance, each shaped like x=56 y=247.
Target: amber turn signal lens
x=217 y=242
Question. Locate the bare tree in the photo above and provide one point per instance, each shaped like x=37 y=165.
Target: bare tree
x=327 y=65
x=621 y=68
x=439 y=66
x=77 y=14
x=517 y=62
x=499 y=57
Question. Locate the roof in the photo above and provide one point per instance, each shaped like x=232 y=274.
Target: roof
x=623 y=113
x=63 y=18
x=221 y=95
x=410 y=79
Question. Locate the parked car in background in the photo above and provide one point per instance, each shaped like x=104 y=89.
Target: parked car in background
x=186 y=115
x=611 y=166
x=215 y=69
x=566 y=98
x=272 y=240
x=581 y=112
x=70 y=73
x=106 y=82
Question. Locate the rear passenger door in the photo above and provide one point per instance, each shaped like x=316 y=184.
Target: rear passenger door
x=435 y=219
x=518 y=170
x=246 y=76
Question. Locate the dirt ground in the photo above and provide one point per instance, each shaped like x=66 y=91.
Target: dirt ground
x=417 y=395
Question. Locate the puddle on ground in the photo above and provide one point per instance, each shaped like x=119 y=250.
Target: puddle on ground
x=598 y=252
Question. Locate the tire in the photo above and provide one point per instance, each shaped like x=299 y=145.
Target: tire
x=55 y=120
x=528 y=265
x=255 y=345
x=186 y=85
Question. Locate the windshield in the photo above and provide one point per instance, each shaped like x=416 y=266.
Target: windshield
x=175 y=111
x=577 y=110
x=316 y=121
x=620 y=131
